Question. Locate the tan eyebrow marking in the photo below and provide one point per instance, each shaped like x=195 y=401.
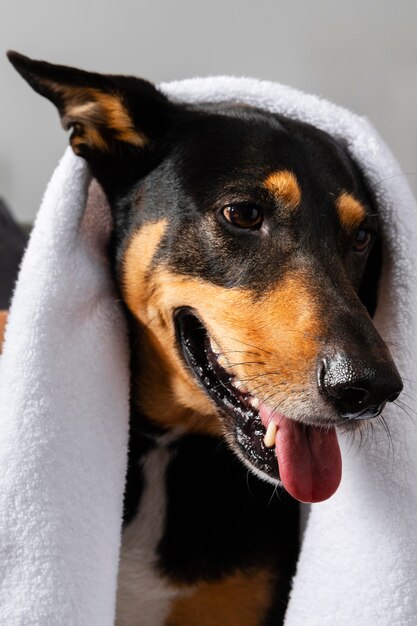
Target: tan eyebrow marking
x=284 y=185
x=350 y=211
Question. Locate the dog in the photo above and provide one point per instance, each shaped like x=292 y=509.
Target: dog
x=246 y=250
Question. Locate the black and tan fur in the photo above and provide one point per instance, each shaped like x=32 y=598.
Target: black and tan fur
x=278 y=298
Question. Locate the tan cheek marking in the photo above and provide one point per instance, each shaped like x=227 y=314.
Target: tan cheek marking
x=283 y=325
x=162 y=378
x=242 y=599
x=350 y=211
x=277 y=334
x=291 y=327
x=136 y=264
x=284 y=186
x=3 y=322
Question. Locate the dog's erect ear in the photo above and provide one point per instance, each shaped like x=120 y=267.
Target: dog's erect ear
x=107 y=114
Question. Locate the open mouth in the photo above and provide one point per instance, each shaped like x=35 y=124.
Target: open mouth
x=221 y=386
x=306 y=459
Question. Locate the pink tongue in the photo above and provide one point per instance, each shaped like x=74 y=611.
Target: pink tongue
x=310 y=464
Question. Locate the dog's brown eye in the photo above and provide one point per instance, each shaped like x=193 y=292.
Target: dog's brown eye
x=243 y=215
x=362 y=240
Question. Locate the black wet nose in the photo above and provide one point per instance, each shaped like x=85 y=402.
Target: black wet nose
x=356 y=388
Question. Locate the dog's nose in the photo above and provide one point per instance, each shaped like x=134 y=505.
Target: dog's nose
x=358 y=389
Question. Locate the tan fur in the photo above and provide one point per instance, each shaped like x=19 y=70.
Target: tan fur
x=89 y=136
x=158 y=350
x=3 y=322
x=239 y=600
x=284 y=186
x=89 y=110
x=350 y=211
x=270 y=342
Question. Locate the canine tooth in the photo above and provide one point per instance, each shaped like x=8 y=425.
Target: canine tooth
x=270 y=435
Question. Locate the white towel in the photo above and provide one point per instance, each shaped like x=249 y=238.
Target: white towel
x=63 y=399
x=64 y=418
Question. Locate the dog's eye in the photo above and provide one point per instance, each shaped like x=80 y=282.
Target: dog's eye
x=362 y=240
x=243 y=215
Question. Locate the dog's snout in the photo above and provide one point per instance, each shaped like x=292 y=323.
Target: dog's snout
x=357 y=388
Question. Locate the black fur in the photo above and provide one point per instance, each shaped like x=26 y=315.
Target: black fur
x=241 y=521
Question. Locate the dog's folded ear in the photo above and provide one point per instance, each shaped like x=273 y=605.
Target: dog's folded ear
x=108 y=115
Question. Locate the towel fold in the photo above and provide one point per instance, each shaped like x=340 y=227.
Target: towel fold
x=64 y=389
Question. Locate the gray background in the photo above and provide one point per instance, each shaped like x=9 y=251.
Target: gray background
x=361 y=54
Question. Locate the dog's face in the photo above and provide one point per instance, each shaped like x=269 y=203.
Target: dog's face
x=241 y=241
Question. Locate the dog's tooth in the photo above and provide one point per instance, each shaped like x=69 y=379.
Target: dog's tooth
x=254 y=402
x=270 y=435
x=239 y=386
x=222 y=361
x=214 y=346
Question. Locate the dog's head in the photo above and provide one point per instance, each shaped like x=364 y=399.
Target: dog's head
x=242 y=246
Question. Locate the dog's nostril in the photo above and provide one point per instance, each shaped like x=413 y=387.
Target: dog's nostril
x=354 y=396
x=350 y=402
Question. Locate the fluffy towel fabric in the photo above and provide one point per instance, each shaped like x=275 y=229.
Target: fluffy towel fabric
x=63 y=399
x=64 y=418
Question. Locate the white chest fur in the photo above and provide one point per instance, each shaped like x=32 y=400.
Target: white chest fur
x=144 y=597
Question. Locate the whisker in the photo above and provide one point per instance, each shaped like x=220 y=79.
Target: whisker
x=246 y=363
x=249 y=378
x=411 y=417
x=247 y=483
x=406 y=406
x=362 y=439
x=266 y=400
x=256 y=389
x=275 y=410
x=223 y=352
x=383 y=423
x=408 y=380
x=384 y=180
x=407 y=395
x=250 y=345
x=274 y=493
